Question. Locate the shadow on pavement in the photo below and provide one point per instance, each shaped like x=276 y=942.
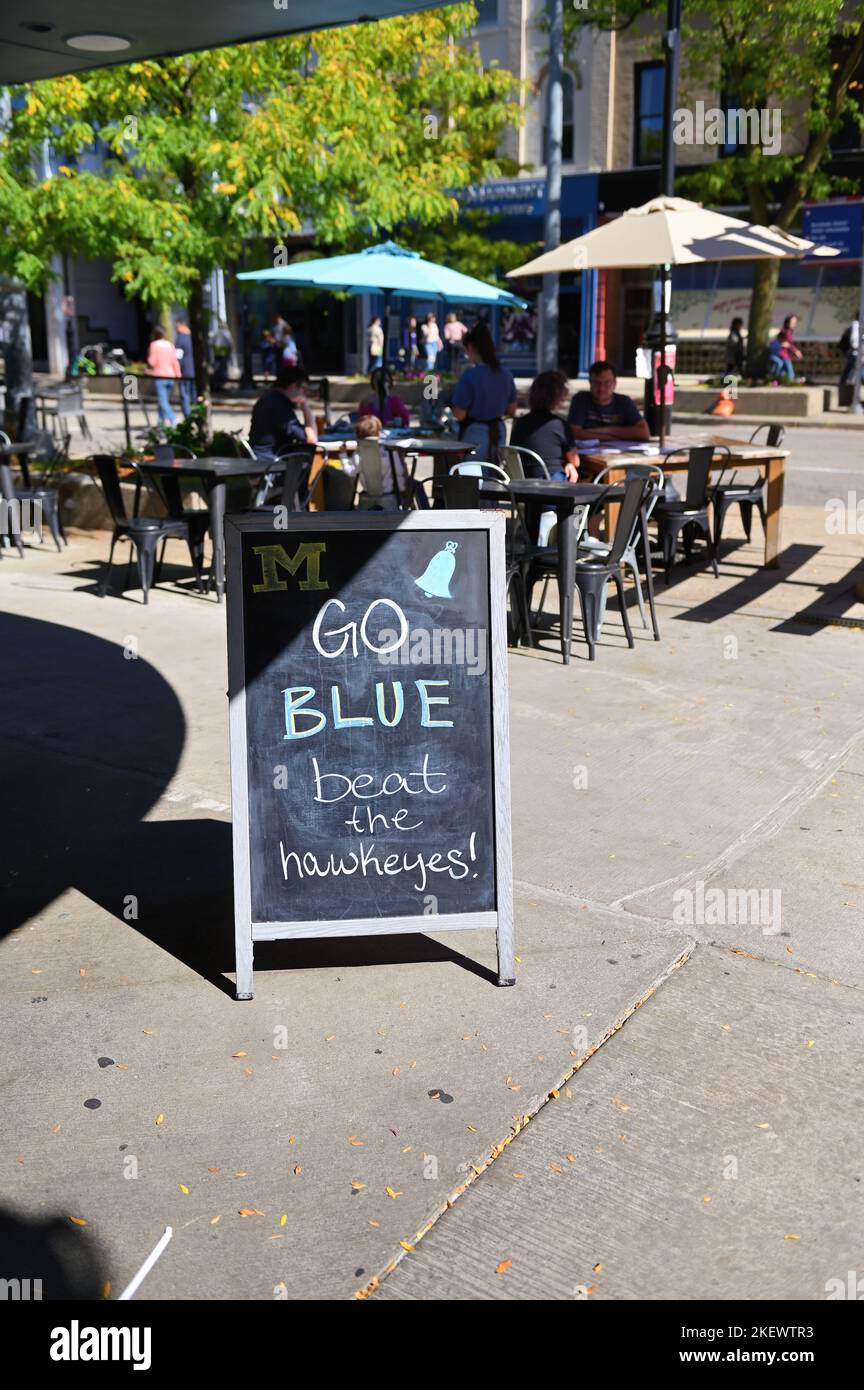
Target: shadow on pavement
x=90 y=740
x=64 y=1260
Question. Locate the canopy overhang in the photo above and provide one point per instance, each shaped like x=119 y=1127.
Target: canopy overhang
x=35 y=41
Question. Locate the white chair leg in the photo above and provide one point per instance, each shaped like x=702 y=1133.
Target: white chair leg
x=638 y=582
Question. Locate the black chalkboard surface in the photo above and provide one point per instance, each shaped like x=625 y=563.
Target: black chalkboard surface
x=370 y=767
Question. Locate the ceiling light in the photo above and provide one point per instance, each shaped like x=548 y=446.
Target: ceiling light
x=98 y=43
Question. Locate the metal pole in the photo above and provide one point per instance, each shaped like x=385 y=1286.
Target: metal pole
x=857 y=407
x=672 y=59
x=552 y=211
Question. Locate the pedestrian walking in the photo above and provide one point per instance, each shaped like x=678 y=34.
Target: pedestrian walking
x=431 y=341
x=375 y=341
x=223 y=345
x=163 y=366
x=783 y=349
x=736 y=349
x=454 y=332
x=849 y=347
x=183 y=348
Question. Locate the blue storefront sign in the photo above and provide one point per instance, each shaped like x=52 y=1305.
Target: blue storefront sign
x=835 y=224
x=505 y=197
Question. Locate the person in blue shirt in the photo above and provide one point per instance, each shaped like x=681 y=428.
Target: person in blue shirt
x=183 y=348
x=602 y=413
x=484 y=394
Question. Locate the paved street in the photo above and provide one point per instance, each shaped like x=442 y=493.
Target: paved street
x=664 y=1107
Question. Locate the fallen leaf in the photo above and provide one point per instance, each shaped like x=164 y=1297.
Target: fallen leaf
x=330 y=1037
x=519 y=1176
x=297 y=1170
x=395 y=1071
x=505 y=1264
x=184 y=1189
x=214 y=1170
x=215 y=1220
x=239 y=1054
x=571 y=1158
x=148 y=1032
x=472 y=1128
x=292 y=1138
x=596 y=1269
x=160 y=1119
x=247 y=1071
x=82 y=971
x=391 y=1193
x=283 y=1220
x=250 y=1211
x=358 y=1186
x=55 y=1129
x=355 y=1142
x=77 y=1220
x=406 y=1246
x=791 y=1237
x=375 y=1223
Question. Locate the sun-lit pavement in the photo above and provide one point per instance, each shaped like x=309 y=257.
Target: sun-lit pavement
x=369 y=1082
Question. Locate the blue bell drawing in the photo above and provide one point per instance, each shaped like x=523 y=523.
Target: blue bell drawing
x=435 y=579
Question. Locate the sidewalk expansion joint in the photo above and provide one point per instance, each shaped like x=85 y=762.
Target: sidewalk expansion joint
x=520 y=1122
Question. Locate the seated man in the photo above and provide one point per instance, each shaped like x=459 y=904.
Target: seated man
x=276 y=426
x=602 y=413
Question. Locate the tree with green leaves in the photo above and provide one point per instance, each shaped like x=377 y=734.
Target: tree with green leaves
x=351 y=131
x=802 y=58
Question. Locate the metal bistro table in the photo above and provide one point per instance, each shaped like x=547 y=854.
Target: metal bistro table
x=214 y=473
x=444 y=451
x=565 y=498
x=7 y=487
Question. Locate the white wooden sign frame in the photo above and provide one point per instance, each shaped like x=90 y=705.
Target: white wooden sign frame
x=247 y=932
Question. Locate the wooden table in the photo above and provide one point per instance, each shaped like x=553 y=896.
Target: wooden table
x=770 y=463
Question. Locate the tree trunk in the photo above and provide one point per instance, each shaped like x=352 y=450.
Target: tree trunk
x=765 y=278
x=200 y=344
x=18 y=359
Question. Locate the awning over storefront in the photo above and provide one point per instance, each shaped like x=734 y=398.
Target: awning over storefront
x=58 y=37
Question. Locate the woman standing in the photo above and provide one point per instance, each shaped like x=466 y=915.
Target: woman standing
x=375 y=339
x=484 y=394
x=736 y=350
x=163 y=365
x=431 y=341
x=412 y=349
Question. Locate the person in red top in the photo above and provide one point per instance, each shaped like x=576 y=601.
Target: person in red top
x=784 y=348
x=163 y=365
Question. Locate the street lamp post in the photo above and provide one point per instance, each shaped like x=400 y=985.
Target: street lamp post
x=672 y=61
x=552 y=211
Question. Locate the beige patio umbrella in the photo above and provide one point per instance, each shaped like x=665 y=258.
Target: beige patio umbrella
x=670 y=231
x=666 y=232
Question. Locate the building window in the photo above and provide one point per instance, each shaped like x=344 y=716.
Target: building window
x=648 y=112
x=568 y=126
x=487 y=11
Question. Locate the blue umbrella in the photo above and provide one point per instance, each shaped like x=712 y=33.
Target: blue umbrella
x=388 y=269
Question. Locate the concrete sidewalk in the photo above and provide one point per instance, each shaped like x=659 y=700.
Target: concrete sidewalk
x=370 y=1082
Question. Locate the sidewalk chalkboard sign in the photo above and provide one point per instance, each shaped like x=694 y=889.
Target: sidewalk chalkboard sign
x=369 y=748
